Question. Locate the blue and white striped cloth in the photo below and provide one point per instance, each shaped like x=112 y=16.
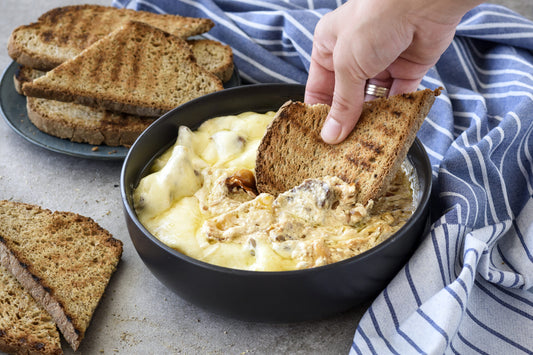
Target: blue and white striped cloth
x=468 y=288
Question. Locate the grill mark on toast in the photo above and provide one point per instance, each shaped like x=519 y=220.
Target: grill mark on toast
x=356 y=161
x=67 y=29
x=133 y=77
x=78 y=26
x=157 y=85
x=387 y=130
x=116 y=64
x=374 y=147
x=140 y=53
x=92 y=71
x=99 y=19
x=47 y=36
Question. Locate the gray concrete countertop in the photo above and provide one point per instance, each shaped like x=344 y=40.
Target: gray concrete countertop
x=138 y=314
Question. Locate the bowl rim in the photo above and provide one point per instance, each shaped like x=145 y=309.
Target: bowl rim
x=132 y=215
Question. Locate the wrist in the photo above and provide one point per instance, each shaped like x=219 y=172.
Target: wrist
x=443 y=11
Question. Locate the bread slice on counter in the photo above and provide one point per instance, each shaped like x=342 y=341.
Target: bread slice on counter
x=213 y=56
x=292 y=149
x=25 y=327
x=64 y=260
x=62 y=33
x=138 y=69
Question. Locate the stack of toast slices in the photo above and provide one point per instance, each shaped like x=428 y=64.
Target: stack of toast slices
x=54 y=269
x=101 y=75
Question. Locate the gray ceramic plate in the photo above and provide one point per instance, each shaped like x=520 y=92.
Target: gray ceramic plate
x=13 y=109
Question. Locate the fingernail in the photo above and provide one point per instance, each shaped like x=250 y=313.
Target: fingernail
x=331 y=131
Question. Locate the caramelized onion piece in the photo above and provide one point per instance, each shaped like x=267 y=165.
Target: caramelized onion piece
x=242 y=179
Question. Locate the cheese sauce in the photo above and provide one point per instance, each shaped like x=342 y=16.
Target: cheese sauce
x=200 y=199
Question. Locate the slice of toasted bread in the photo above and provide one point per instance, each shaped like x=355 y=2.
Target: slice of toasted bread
x=25 y=327
x=62 y=33
x=292 y=150
x=213 y=56
x=138 y=69
x=64 y=260
x=79 y=123
x=25 y=75
x=85 y=124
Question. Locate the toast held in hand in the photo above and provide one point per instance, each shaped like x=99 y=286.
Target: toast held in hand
x=292 y=149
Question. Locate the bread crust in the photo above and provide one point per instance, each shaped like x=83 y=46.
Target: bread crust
x=292 y=150
x=25 y=75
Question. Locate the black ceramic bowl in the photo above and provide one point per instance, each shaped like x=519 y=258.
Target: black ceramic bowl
x=285 y=296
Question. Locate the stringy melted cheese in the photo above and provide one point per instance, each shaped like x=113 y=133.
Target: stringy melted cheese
x=188 y=204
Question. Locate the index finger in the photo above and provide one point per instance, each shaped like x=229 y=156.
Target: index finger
x=347 y=103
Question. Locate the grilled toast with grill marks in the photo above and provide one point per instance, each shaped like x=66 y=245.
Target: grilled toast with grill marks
x=85 y=124
x=209 y=54
x=137 y=69
x=64 y=260
x=292 y=149
x=62 y=33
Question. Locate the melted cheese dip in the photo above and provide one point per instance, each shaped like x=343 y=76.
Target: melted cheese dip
x=200 y=199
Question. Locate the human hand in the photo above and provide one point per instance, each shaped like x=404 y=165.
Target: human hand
x=389 y=43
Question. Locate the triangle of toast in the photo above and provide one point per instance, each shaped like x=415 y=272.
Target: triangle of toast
x=137 y=69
